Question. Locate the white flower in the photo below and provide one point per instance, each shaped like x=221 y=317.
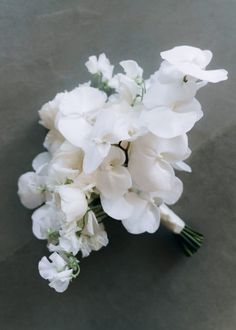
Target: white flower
x=169 y=95
x=53 y=141
x=77 y=113
x=49 y=111
x=56 y=272
x=46 y=221
x=126 y=87
x=66 y=163
x=101 y=65
x=150 y=160
x=72 y=202
x=110 y=128
x=41 y=161
x=85 y=235
x=113 y=179
x=171 y=108
x=93 y=236
x=138 y=212
x=169 y=122
x=31 y=190
x=132 y=69
x=129 y=86
x=192 y=61
x=69 y=239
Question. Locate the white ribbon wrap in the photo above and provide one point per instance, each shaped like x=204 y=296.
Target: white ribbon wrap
x=171 y=220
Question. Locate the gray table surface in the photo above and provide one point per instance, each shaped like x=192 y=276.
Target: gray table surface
x=137 y=282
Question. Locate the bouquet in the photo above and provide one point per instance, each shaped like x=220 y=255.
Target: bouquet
x=114 y=145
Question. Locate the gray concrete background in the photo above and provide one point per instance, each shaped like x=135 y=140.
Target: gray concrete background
x=137 y=282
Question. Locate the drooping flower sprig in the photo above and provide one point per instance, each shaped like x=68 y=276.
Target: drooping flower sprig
x=114 y=145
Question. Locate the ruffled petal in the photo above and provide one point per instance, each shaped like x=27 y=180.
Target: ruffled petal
x=73 y=202
x=166 y=123
x=41 y=160
x=145 y=218
x=118 y=208
x=132 y=69
x=114 y=182
x=81 y=100
x=31 y=190
x=75 y=129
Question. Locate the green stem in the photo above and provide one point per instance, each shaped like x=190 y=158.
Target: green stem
x=190 y=240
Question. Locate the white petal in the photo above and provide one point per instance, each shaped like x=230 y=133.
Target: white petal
x=118 y=208
x=46 y=269
x=49 y=110
x=181 y=166
x=187 y=54
x=60 y=286
x=170 y=150
x=81 y=100
x=192 y=61
x=30 y=190
x=58 y=262
x=40 y=160
x=145 y=218
x=132 y=69
x=73 y=202
x=169 y=94
x=114 y=182
x=94 y=155
x=172 y=195
x=75 y=129
x=166 y=123
x=70 y=243
x=53 y=140
x=115 y=157
x=100 y=64
x=149 y=174
x=45 y=220
x=213 y=76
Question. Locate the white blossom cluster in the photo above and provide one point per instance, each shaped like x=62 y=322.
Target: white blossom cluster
x=113 y=146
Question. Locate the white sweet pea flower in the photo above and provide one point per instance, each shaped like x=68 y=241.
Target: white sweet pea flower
x=77 y=113
x=169 y=196
x=138 y=212
x=100 y=65
x=31 y=190
x=127 y=88
x=111 y=127
x=56 y=272
x=49 y=111
x=171 y=108
x=192 y=61
x=93 y=236
x=85 y=235
x=169 y=95
x=41 y=161
x=145 y=216
x=46 y=221
x=132 y=69
x=69 y=239
x=66 y=164
x=172 y=121
x=53 y=141
x=150 y=160
x=117 y=208
x=113 y=179
x=72 y=202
